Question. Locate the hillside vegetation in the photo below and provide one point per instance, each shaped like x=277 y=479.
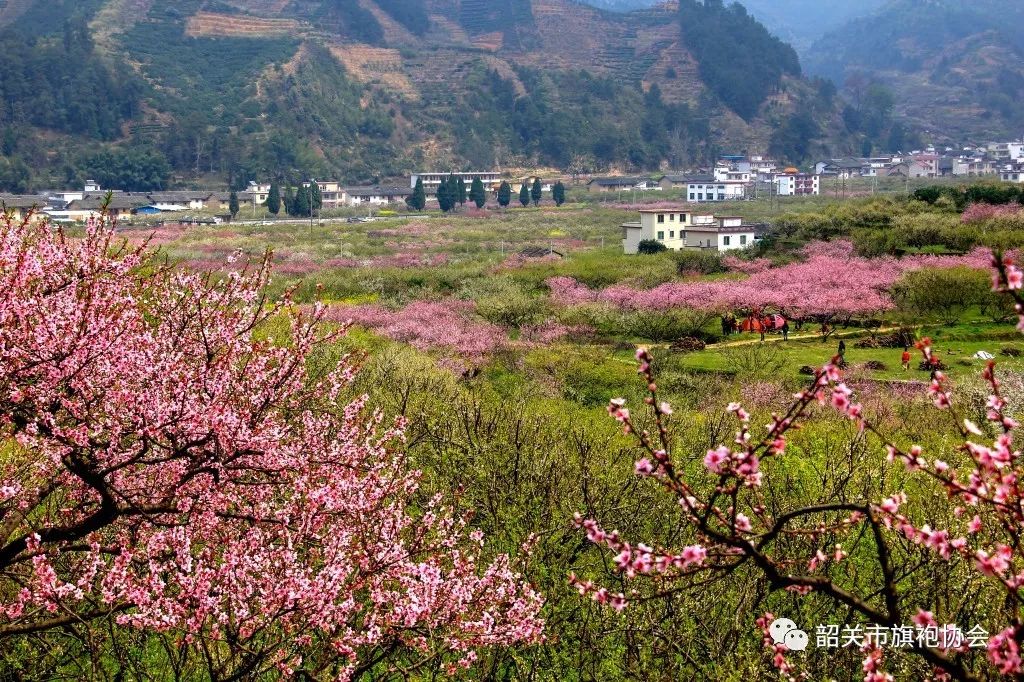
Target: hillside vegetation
x=365 y=90
x=956 y=67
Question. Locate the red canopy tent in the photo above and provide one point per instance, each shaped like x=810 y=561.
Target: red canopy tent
x=756 y=324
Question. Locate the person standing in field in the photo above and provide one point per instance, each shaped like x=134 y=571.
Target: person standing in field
x=905 y=359
x=785 y=330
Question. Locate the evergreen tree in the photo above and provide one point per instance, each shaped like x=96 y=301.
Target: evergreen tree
x=558 y=193
x=505 y=194
x=315 y=196
x=233 y=206
x=524 y=195
x=536 y=192
x=460 y=193
x=302 y=203
x=289 y=200
x=418 y=200
x=444 y=196
x=477 y=193
x=274 y=199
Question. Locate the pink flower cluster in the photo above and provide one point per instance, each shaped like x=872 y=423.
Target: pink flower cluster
x=831 y=280
x=426 y=325
x=976 y=213
x=176 y=470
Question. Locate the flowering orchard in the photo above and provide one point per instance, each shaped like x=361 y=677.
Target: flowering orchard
x=857 y=554
x=166 y=473
x=831 y=282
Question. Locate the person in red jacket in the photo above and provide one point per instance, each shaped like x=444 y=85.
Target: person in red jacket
x=905 y=359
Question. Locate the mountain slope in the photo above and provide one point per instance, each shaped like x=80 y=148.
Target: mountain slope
x=803 y=22
x=372 y=88
x=957 y=67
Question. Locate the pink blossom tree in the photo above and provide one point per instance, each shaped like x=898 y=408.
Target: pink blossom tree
x=165 y=467
x=963 y=523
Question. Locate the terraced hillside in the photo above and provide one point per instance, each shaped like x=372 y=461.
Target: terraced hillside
x=367 y=89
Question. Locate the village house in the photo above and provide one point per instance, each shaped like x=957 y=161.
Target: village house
x=332 y=195
x=707 y=188
x=621 y=183
x=669 y=182
x=1006 y=151
x=1013 y=173
x=680 y=229
x=375 y=195
x=727 y=174
x=20 y=205
x=720 y=234
x=121 y=205
x=431 y=181
x=180 y=201
x=797 y=184
x=255 y=193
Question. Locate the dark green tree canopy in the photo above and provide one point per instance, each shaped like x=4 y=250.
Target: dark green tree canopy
x=504 y=194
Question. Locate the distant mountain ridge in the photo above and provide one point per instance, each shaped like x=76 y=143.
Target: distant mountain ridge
x=957 y=67
x=366 y=89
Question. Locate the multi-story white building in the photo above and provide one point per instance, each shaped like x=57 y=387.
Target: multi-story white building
x=679 y=229
x=727 y=174
x=797 y=184
x=720 y=234
x=431 y=181
x=1007 y=151
x=1014 y=173
x=707 y=188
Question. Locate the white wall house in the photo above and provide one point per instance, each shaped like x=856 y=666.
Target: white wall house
x=678 y=229
x=1012 y=174
x=726 y=174
x=797 y=184
x=375 y=196
x=431 y=181
x=720 y=234
x=1007 y=151
x=702 y=189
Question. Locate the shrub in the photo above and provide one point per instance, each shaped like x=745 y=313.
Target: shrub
x=945 y=294
x=651 y=246
x=699 y=261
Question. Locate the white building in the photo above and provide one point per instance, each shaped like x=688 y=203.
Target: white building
x=679 y=229
x=1007 y=151
x=797 y=184
x=375 y=196
x=1012 y=174
x=720 y=234
x=431 y=181
x=707 y=188
x=726 y=174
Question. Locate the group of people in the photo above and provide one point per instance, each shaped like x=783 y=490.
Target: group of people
x=763 y=324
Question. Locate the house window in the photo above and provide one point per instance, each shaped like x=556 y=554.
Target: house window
x=671 y=234
x=743 y=240
x=691 y=196
x=661 y=218
x=671 y=217
x=700 y=197
x=661 y=235
x=725 y=241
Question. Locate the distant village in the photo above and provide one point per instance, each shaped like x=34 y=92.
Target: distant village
x=732 y=178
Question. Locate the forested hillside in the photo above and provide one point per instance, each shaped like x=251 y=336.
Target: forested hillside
x=955 y=67
x=237 y=89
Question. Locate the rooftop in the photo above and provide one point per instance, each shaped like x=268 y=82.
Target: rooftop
x=22 y=200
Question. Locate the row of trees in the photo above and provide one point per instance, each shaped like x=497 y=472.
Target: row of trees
x=452 y=192
x=300 y=202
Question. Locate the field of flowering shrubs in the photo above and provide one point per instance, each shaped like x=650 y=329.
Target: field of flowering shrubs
x=422 y=450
